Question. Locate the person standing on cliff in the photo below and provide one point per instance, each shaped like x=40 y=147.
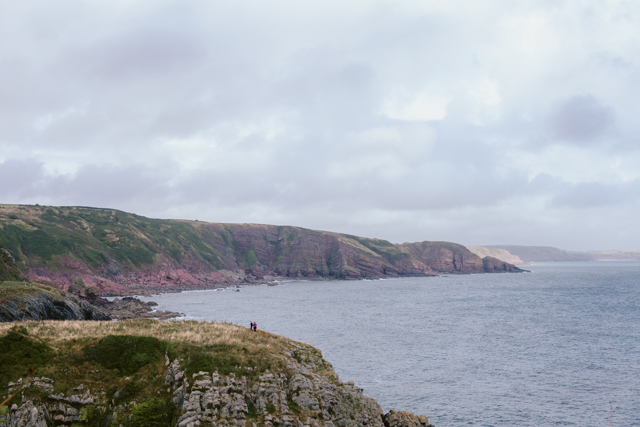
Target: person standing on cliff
x=255 y=327
x=251 y=327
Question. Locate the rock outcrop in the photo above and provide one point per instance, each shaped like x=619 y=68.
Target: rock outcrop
x=494 y=265
x=132 y=308
x=404 y=419
x=34 y=301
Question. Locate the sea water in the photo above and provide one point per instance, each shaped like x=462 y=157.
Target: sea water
x=553 y=347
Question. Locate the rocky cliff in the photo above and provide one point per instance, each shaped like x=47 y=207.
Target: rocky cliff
x=117 y=251
x=186 y=374
x=33 y=301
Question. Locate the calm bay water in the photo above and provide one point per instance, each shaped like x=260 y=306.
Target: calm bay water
x=549 y=348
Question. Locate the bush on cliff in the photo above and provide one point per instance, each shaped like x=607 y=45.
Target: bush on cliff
x=19 y=353
x=152 y=413
x=127 y=353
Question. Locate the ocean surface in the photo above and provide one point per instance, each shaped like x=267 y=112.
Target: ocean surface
x=548 y=348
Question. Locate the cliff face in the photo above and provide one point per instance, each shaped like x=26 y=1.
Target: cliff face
x=115 y=251
x=445 y=257
x=33 y=301
x=185 y=374
x=498 y=266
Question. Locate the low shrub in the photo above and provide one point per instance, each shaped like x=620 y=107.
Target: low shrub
x=19 y=353
x=127 y=353
x=96 y=416
x=152 y=413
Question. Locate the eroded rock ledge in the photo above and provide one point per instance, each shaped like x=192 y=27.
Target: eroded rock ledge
x=211 y=399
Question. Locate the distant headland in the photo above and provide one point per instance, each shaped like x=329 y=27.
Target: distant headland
x=121 y=253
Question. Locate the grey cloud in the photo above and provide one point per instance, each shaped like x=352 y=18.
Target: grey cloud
x=582 y=119
x=145 y=54
x=92 y=185
x=597 y=194
x=238 y=111
x=21 y=178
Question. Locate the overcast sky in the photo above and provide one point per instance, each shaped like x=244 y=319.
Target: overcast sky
x=478 y=122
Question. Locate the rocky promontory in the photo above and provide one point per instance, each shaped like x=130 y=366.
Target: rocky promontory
x=183 y=374
x=120 y=253
x=34 y=301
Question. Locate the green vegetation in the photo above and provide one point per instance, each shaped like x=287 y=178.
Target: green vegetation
x=96 y=416
x=384 y=248
x=249 y=258
x=126 y=353
x=36 y=243
x=122 y=247
x=152 y=413
x=242 y=361
x=18 y=353
x=95 y=236
x=8 y=270
x=122 y=366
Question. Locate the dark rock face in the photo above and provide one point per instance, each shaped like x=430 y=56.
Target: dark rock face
x=132 y=308
x=494 y=265
x=445 y=257
x=48 y=305
x=404 y=419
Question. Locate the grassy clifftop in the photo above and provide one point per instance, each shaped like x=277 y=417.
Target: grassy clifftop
x=152 y=373
x=115 y=250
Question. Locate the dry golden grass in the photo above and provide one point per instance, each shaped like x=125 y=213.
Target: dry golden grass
x=193 y=332
x=26 y=213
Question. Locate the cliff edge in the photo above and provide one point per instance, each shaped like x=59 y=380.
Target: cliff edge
x=184 y=374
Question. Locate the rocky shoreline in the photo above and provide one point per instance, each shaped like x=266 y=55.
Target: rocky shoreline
x=133 y=308
x=34 y=301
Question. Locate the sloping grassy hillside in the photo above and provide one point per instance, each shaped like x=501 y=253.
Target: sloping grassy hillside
x=98 y=236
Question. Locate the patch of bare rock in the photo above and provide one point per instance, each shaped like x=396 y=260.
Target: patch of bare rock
x=132 y=308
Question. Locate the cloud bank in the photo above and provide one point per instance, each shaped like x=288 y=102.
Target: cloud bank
x=475 y=122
